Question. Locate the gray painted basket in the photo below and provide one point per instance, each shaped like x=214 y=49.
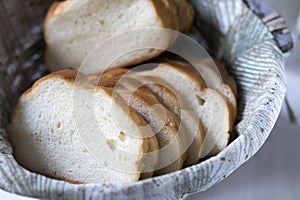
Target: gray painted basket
x=249 y=36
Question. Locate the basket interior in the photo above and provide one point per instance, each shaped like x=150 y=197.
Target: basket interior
x=240 y=40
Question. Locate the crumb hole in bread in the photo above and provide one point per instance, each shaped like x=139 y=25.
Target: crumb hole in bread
x=58 y=125
x=122 y=136
x=111 y=144
x=101 y=21
x=200 y=101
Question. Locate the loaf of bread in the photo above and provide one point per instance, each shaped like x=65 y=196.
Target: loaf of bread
x=65 y=128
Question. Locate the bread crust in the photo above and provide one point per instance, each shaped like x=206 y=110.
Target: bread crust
x=142 y=96
x=190 y=16
x=56 y=9
x=187 y=71
x=166 y=95
x=185 y=15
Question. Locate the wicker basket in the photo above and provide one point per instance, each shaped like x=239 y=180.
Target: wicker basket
x=252 y=50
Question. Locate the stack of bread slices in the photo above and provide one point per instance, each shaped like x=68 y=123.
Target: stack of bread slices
x=120 y=125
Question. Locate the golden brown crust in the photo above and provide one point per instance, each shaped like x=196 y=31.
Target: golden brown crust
x=185 y=15
x=166 y=9
x=56 y=9
x=109 y=78
x=68 y=75
x=191 y=16
x=62 y=178
x=188 y=71
x=150 y=85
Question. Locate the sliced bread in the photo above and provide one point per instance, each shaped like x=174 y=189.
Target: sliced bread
x=211 y=108
x=172 y=100
x=73 y=28
x=166 y=125
x=88 y=140
x=168 y=97
x=226 y=77
x=213 y=80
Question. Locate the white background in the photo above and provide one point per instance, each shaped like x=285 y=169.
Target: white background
x=274 y=172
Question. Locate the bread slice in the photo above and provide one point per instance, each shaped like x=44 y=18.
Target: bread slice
x=186 y=15
x=213 y=80
x=229 y=80
x=208 y=104
x=73 y=28
x=166 y=95
x=66 y=128
x=169 y=98
x=169 y=132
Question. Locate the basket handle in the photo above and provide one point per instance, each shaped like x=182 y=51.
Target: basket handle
x=274 y=21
